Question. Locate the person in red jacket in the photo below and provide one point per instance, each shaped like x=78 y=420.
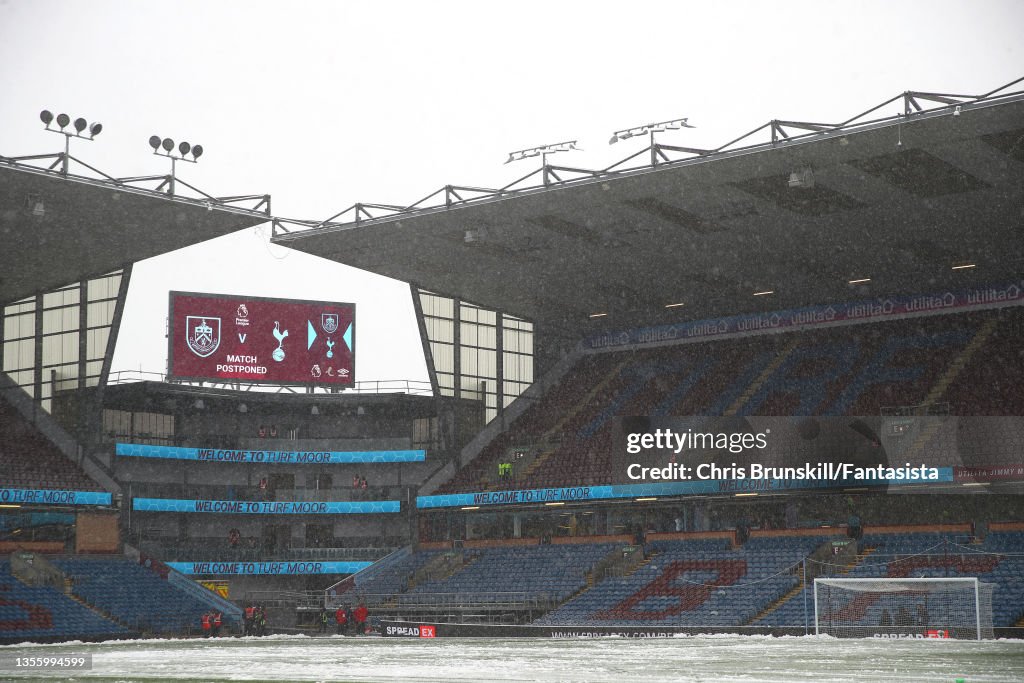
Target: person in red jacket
x=341 y=618
x=205 y=620
x=359 y=616
x=218 y=620
x=250 y=613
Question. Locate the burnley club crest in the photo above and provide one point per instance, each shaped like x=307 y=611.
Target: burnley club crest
x=202 y=334
x=329 y=322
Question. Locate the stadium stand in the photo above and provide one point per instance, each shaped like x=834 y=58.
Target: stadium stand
x=998 y=560
x=693 y=582
x=30 y=461
x=43 y=612
x=135 y=595
x=858 y=370
x=552 y=572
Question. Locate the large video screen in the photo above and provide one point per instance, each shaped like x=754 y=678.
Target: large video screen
x=252 y=339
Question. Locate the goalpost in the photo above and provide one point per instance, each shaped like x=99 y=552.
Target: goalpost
x=903 y=608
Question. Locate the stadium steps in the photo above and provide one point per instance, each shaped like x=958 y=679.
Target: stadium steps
x=777 y=603
x=593 y=581
x=570 y=414
x=442 y=568
x=68 y=590
x=106 y=615
x=643 y=563
x=960 y=362
x=761 y=379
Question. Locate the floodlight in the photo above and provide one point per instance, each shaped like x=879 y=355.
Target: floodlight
x=63 y=120
x=95 y=129
x=80 y=124
x=46 y=116
x=197 y=151
x=184 y=147
x=154 y=142
x=167 y=144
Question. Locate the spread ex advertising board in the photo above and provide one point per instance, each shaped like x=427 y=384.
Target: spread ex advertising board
x=252 y=339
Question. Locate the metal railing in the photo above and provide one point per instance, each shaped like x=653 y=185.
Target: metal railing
x=483 y=601
x=216 y=550
x=369 y=386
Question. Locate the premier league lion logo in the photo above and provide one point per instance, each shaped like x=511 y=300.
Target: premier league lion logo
x=329 y=322
x=202 y=334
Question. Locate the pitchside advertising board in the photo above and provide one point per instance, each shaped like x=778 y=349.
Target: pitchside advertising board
x=269 y=341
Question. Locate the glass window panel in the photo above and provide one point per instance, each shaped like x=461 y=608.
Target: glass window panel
x=444 y=357
x=440 y=330
x=96 y=343
x=510 y=340
x=437 y=305
x=101 y=312
x=469 y=365
x=488 y=337
x=17 y=326
x=468 y=334
x=60 y=320
x=487 y=364
x=63 y=297
x=23 y=306
x=105 y=287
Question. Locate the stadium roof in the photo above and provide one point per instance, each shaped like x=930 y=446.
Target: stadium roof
x=900 y=200
x=56 y=228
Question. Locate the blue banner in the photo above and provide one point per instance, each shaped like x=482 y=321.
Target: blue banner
x=813 y=316
x=28 y=520
x=665 y=488
x=252 y=568
x=54 y=497
x=260 y=507
x=134 y=450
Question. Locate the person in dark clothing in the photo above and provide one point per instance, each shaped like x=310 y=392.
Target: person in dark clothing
x=261 y=621
x=886 y=620
x=323 y=620
x=903 y=617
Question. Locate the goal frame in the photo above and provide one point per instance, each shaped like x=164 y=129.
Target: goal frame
x=971 y=581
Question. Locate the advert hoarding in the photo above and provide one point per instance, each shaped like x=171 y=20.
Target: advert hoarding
x=253 y=339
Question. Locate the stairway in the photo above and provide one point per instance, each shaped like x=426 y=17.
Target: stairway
x=442 y=568
x=612 y=375
x=960 y=362
x=109 y=617
x=761 y=379
x=775 y=604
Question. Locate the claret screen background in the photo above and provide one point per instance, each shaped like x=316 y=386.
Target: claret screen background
x=253 y=339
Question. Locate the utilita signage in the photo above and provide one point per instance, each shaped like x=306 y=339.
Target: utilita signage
x=273 y=341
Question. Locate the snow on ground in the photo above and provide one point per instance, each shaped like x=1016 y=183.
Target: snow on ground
x=702 y=658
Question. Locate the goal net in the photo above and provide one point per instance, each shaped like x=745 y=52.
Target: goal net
x=903 y=608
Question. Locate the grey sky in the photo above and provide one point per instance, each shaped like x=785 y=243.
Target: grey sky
x=328 y=103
